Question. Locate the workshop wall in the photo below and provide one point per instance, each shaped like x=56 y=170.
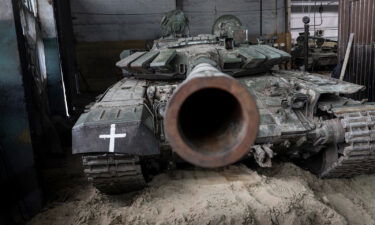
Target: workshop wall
x=118 y=20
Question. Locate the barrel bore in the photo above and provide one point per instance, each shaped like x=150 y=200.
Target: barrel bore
x=211 y=119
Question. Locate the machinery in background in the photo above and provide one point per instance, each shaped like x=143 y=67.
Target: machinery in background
x=322 y=52
x=212 y=100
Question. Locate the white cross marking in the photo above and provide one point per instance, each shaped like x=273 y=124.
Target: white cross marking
x=112 y=136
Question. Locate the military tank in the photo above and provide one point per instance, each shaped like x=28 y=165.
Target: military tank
x=213 y=100
x=322 y=53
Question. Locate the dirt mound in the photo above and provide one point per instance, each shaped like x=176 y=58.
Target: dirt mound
x=284 y=194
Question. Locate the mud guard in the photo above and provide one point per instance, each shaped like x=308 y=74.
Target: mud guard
x=120 y=122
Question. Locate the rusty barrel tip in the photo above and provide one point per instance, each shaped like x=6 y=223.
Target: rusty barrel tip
x=211 y=120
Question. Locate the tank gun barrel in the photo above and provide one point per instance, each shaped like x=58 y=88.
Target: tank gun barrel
x=211 y=120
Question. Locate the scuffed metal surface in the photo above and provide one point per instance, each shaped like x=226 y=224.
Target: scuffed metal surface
x=321 y=83
x=236 y=60
x=124 y=106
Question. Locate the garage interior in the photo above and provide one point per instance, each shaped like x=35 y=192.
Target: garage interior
x=64 y=61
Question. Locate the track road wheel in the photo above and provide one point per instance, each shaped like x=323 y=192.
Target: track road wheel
x=356 y=155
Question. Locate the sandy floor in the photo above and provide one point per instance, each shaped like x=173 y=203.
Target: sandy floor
x=284 y=194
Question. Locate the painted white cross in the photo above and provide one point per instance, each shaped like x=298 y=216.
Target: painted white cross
x=112 y=136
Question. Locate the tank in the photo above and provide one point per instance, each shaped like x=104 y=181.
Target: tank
x=213 y=100
x=322 y=52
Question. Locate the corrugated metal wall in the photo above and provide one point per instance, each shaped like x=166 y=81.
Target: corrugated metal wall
x=100 y=20
x=358 y=17
x=202 y=15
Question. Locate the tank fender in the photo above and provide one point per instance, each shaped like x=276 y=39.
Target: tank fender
x=126 y=130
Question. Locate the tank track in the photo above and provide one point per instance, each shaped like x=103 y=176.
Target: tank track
x=357 y=156
x=114 y=173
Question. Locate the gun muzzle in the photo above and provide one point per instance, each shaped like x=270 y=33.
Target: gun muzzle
x=211 y=120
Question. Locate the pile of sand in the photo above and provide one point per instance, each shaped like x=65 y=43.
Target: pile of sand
x=284 y=194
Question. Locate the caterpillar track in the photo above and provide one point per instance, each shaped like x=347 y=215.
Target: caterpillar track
x=357 y=156
x=114 y=173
